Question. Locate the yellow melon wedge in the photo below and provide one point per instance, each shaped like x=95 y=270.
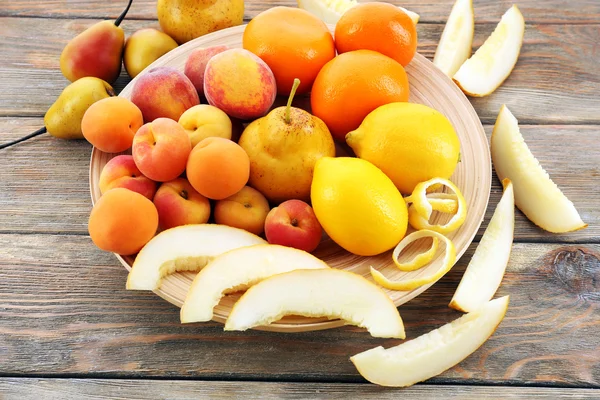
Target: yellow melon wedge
x=331 y=293
x=493 y=62
x=486 y=268
x=454 y=47
x=237 y=268
x=330 y=11
x=535 y=194
x=184 y=248
x=433 y=353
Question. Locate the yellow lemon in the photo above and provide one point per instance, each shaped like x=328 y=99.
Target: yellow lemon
x=410 y=143
x=358 y=205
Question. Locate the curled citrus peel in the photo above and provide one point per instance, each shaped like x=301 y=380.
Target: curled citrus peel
x=443 y=202
x=419 y=260
x=410 y=284
x=423 y=205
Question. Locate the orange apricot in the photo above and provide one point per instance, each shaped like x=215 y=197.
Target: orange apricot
x=122 y=221
x=218 y=168
x=111 y=123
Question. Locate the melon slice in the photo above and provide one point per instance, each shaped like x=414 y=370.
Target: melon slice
x=535 y=194
x=237 y=268
x=184 y=248
x=455 y=44
x=486 y=268
x=327 y=292
x=330 y=11
x=433 y=353
x=493 y=62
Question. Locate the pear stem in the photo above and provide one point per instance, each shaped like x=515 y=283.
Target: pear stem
x=24 y=138
x=288 y=119
x=123 y=14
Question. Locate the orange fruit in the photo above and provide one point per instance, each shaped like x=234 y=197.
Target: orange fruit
x=352 y=85
x=293 y=43
x=379 y=27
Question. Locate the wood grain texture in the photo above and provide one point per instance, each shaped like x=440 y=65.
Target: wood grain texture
x=555 y=76
x=44 y=182
x=64 y=310
x=99 y=389
x=535 y=11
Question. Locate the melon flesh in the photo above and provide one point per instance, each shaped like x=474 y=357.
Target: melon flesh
x=493 y=62
x=433 y=353
x=455 y=44
x=488 y=264
x=184 y=248
x=535 y=193
x=327 y=292
x=238 y=268
x=330 y=11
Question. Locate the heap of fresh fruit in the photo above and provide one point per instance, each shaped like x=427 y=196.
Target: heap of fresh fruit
x=286 y=157
x=212 y=178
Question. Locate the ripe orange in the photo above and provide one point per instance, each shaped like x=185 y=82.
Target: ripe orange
x=293 y=43
x=380 y=27
x=352 y=85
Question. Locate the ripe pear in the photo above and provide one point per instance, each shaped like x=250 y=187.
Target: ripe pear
x=283 y=148
x=96 y=52
x=185 y=20
x=144 y=47
x=63 y=118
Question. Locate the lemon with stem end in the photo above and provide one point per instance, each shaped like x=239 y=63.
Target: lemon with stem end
x=358 y=205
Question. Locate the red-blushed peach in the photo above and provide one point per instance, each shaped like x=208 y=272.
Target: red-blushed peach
x=204 y=121
x=239 y=83
x=122 y=221
x=110 y=124
x=121 y=172
x=247 y=209
x=218 y=168
x=179 y=204
x=163 y=92
x=161 y=149
x=195 y=65
x=294 y=224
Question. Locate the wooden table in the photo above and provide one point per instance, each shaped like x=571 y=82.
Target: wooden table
x=70 y=330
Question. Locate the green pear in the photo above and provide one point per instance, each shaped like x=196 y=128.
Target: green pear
x=144 y=47
x=63 y=118
x=96 y=52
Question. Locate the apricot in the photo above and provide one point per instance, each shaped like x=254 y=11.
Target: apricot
x=111 y=123
x=122 y=221
x=218 y=168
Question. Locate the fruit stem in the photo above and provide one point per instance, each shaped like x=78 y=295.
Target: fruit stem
x=123 y=14
x=288 y=119
x=24 y=138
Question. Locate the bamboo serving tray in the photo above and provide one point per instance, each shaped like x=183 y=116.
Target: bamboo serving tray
x=473 y=175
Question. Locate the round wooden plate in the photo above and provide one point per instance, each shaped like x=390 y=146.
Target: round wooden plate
x=429 y=86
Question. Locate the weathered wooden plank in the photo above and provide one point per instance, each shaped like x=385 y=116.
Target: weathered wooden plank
x=555 y=80
x=44 y=183
x=98 y=389
x=64 y=310
x=548 y=11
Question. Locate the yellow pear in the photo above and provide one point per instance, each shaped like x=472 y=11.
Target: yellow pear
x=63 y=118
x=185 y=20
x=144 y=47
x=283 y=148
